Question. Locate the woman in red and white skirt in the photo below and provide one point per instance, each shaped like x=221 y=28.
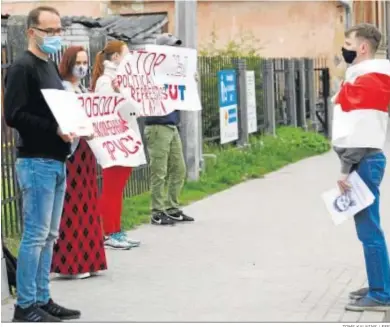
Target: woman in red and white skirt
x=79 y=251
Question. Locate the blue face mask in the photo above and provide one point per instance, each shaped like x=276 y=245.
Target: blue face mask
x=51 y=44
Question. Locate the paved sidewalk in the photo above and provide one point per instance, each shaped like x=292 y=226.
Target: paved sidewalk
x=265 y=250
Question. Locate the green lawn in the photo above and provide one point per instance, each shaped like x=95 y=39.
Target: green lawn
x=231 y=166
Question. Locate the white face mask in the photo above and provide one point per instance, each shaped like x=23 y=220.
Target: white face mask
x=80 y=71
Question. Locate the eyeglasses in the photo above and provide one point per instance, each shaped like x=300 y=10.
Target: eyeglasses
x=51 y=31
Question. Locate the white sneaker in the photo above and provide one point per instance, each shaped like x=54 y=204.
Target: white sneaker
x=134 y=243
x=77 y=276
x=123 y=237
x=112 y=242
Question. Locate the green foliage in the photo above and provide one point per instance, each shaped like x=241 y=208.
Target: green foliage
x=245 y=44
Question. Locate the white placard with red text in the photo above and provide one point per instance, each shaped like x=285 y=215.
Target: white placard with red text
x=108 y=116
x=160 y=79
x=117 y=140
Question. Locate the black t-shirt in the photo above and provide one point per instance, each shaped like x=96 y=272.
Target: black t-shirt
x=25 y=108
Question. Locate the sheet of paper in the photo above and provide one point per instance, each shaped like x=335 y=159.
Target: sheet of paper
x=68 y=112
x=344 y=206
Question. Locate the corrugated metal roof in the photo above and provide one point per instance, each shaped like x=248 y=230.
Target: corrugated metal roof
x=126 y=28
x=133 y=29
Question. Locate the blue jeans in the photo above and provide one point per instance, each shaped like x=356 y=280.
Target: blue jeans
x=371 y=169
x=42 y=183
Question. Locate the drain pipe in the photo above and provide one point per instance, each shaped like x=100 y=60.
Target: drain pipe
x=347 y=4
x=335 y=82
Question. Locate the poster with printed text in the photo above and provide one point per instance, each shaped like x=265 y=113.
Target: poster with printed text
x=341 y=207
x=251 y=101
x=228 y=111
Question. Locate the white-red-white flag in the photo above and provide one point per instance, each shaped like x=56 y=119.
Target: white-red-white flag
x=360 y=116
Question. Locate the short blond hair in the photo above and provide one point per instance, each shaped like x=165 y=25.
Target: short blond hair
x=366 y=32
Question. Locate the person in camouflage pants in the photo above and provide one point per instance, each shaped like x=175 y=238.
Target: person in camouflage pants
x=166 y=158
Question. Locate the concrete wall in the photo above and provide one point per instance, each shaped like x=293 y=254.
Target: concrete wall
x=283 y=28
x=66 y=8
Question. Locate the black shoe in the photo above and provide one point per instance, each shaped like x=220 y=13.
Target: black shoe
x=161 y=218
x=33 y=314
x=179 y=215
x=60 y=312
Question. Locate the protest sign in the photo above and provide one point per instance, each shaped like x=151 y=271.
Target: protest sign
x=67 y=111
x=117 y=140
x=160 y=79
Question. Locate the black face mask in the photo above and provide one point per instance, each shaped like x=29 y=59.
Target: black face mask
x=349 y=55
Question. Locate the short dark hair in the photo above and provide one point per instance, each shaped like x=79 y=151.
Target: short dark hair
x=367 y=32
x=33 y=15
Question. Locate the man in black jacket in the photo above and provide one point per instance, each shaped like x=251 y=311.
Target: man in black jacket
x=42 y=150
x=167 y=165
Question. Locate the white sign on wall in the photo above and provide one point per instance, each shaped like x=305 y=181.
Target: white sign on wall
x=251 y=101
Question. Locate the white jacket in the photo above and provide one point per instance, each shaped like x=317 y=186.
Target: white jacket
x=103 y=83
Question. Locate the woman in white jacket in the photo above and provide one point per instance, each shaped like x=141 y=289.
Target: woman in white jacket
x=116 y=177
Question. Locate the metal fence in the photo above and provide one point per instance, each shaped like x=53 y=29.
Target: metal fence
x=208 y=68
x=296 y=83
x=282 y=84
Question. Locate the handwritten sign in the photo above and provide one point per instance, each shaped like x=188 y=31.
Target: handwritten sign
x=160 y=79
x=67 y=112
x=117 y=140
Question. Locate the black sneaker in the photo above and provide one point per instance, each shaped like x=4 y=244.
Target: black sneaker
x=33 y=314
x=179 y=215
x=60 y=312
x=161 y=218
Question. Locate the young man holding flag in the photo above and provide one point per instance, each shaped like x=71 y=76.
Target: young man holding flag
x=359 y=134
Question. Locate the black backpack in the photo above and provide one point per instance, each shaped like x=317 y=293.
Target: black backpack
x=11 y=264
